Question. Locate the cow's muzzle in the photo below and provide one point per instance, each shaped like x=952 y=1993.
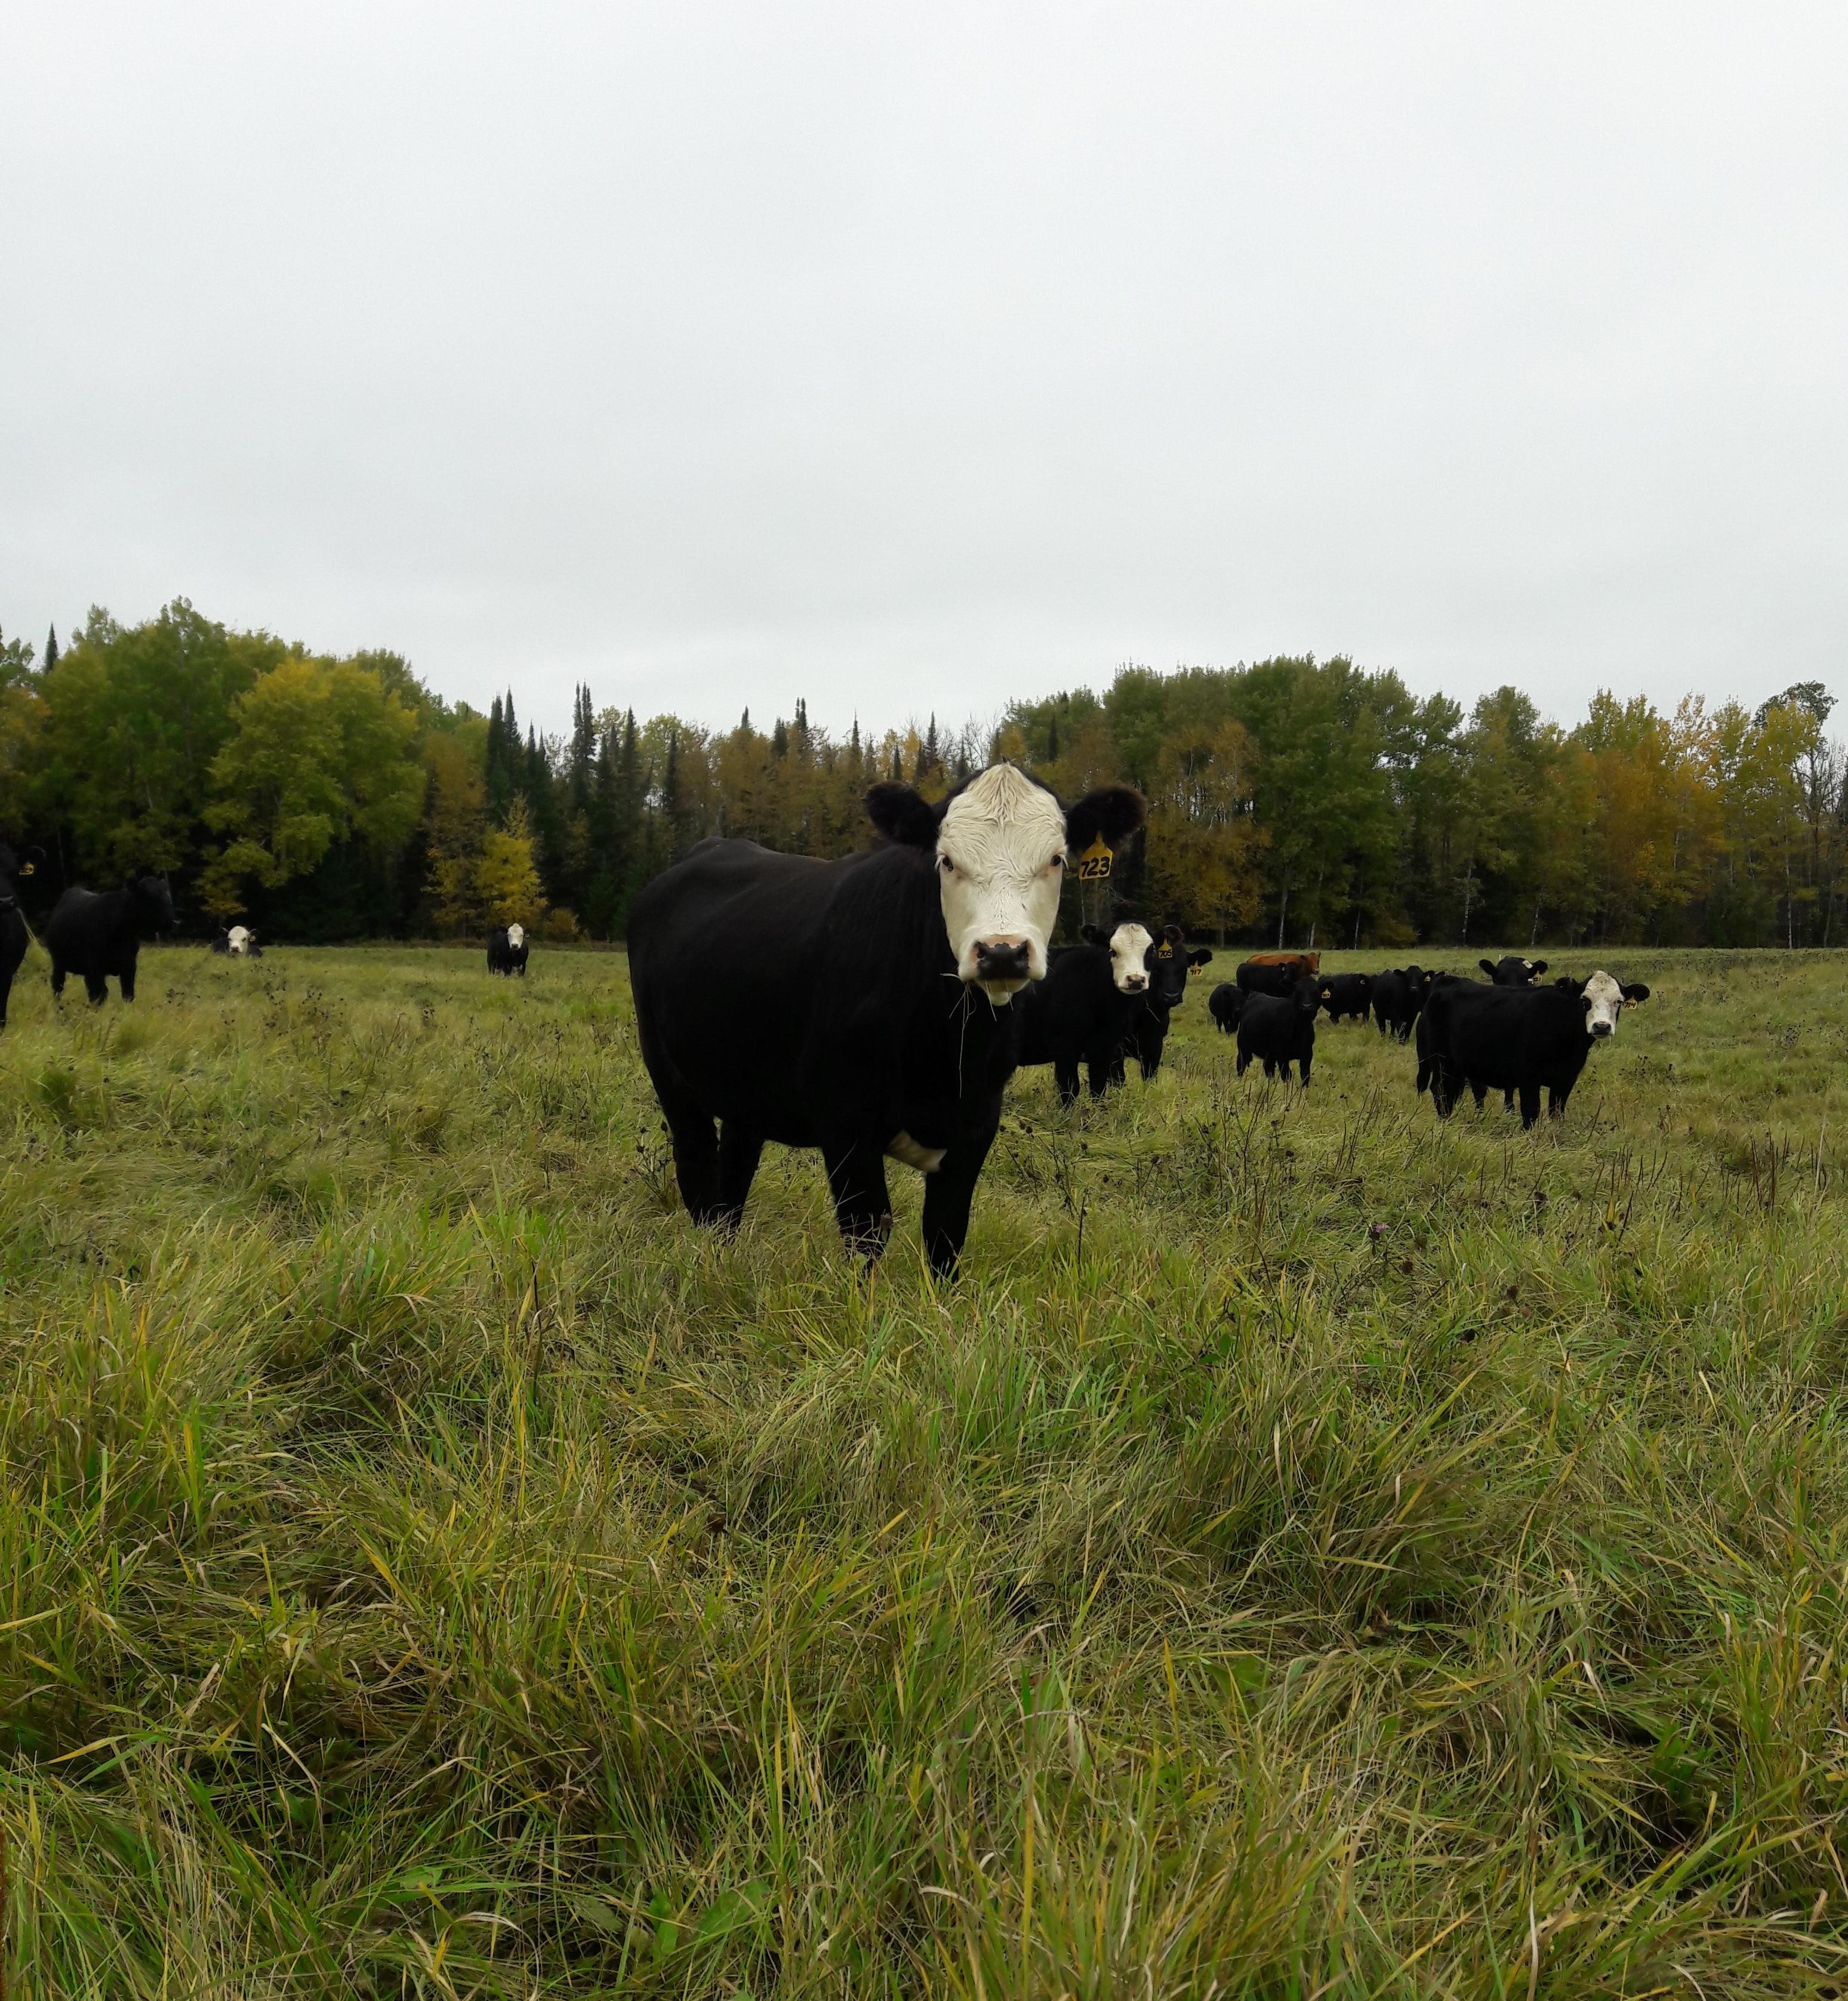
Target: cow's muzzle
x=1000 y=960
x=1600 y=1028
x=1135 y=984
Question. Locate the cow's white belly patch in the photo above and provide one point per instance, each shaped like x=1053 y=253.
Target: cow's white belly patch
x=926 y=1160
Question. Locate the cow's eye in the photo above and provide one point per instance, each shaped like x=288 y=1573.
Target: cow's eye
x=1057 y=862
x=948 y=866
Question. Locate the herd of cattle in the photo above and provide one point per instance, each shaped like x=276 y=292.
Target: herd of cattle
x=876 y=1008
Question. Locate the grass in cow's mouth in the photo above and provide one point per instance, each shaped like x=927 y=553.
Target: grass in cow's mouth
x=1310 y=1551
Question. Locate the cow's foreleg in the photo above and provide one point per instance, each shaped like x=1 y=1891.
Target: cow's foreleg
x=1529 y=1105
x=862 y=1205
x=1065 y=1076
x=739 y=1153
x=950 y=1192
x=97 y=987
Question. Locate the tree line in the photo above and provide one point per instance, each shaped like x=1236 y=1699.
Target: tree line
x=1296 y=802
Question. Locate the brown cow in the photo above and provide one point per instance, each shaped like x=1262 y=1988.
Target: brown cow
x=1277 y=972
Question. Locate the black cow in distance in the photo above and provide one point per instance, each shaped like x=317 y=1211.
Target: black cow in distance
x=1083 y=1010
x=865 y=1007
x=1226 y=1003
x=1278 y=1032
x=13 y=934
x=1513 y=971
x=1515 y=1038
x=99 y=936
x=1347 y=994
x=508 y=950
x=1172 y=966
x=1399 y=997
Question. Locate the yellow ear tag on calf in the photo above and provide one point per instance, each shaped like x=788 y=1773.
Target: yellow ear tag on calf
x=1166 y=952
x=26 y=867
x=1094 y=864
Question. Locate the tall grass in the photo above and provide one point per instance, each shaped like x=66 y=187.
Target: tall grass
x=1312 y=1551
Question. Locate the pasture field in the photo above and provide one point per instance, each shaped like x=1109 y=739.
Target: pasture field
x=1311 y=1551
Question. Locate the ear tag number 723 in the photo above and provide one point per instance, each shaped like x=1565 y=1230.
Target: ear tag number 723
x=1094 y=864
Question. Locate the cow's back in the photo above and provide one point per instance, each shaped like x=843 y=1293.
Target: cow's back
x=82 y=926
x=765 y=983
x=1504 y=1036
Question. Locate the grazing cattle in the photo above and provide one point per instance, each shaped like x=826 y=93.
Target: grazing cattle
x=864 y=1006
x=241 y=943
x=1083 y=1010
x=1348 y=994
x=1277 y=972
x=1280 y=1032
x=1398 y=996
x=1513 y=971
x=507 y=949
x=1515 y=1038
x=1171 y=968
x=99 y=937
x=13 y=935
x=1226 y=1003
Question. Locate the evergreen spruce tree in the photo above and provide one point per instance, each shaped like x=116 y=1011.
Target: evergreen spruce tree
x=50 y=650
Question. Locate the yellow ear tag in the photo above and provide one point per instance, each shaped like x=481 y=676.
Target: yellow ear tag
x=1094 y=864
x=26 y=867
x=1167 y=950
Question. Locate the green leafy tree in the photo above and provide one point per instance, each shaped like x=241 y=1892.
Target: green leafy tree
x=506 y=872
x=135 y=718
x=319 y=753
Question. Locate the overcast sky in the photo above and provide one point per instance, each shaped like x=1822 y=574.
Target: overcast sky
x=912 y=358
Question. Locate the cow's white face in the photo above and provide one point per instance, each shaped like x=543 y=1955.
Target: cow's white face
x=1001 y=861
x=1130 y=958
x=240 y=939
x=1603 y=1003
x=516 y=935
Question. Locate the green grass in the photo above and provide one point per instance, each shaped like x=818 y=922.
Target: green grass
x=1311 y=1551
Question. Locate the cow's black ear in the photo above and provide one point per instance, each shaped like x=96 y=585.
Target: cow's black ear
x=1090 y=934
x=1201 y=955
x=1537 y=968
x=1173 y=933
x=1112 y=812
x=903 y=815
x=1633 y=994
x=1487 y=966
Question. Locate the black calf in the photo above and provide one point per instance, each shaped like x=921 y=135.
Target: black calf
x=1279 y=1032
x=98 y=938
x=1348 y=994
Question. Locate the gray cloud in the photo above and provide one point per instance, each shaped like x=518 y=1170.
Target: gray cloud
x=912 y=358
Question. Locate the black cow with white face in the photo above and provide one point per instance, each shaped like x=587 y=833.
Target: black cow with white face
x=1516 y=1038
x=1174 y=964
x=508 y=950
x=1347 y=995
x=1513 y=971
x=1083 y=1010
x=865 y=1007
x=99 y=937
x=1226 y=1004
x=1278 y=1032
x=13 y=934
